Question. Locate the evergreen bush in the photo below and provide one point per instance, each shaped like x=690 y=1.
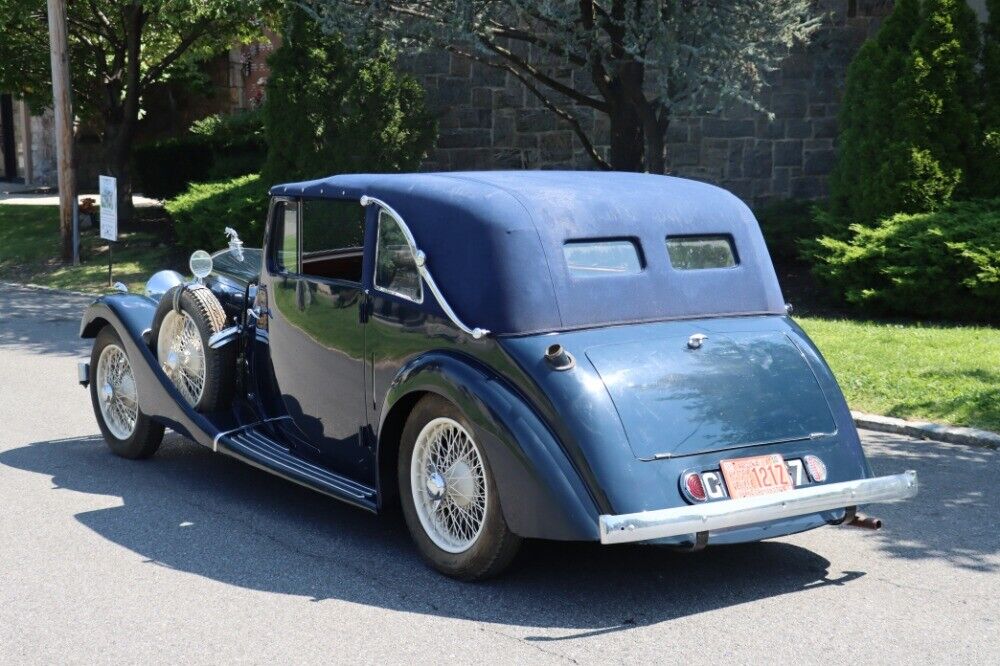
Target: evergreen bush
x=941 y=264
x=908 y=122
x=204 y=210
x=330 y=109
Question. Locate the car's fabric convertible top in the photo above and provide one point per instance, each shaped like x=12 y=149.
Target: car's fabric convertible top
x=494 y=244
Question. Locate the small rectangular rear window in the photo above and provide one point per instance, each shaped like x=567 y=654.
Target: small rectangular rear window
x=697 y=252
x=604 y=257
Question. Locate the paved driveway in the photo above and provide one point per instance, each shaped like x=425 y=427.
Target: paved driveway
x=195 y=558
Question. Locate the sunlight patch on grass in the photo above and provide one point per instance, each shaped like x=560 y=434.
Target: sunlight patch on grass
x=948 y=374
x=29 y=251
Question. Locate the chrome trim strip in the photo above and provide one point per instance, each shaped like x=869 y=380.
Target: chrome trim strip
x=726 y=514
x=425 y=273
x=225 y=433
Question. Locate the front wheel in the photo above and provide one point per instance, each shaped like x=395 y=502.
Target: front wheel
x=128 y=432
x=450 y=501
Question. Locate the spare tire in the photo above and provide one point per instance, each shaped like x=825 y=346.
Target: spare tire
x=181 y=329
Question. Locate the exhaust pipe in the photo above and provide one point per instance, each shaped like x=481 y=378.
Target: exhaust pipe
x=867 y=522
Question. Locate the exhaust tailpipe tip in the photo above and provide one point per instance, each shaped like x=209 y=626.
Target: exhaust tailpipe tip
x=866 y=522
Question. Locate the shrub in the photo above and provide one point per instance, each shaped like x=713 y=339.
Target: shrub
x=942 y=264
x=786 y=225
x=909 y=132
x=218 y=147
x=868 y=114
x=202 y=212
x=988 y=170
x=331 y=109
x=237 y=143
x=164 y=168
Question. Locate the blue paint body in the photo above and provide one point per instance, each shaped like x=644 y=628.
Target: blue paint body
x=325 y=384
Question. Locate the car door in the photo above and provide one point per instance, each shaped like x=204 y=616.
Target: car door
x=316 y=341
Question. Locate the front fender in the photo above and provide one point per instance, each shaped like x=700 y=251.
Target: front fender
x=130 y=315
x=541 y=493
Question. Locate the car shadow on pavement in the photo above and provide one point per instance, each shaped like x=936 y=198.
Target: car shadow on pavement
x=190 y=510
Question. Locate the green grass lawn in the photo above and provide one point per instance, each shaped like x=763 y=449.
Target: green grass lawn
x=29 y=245
x=946 y=374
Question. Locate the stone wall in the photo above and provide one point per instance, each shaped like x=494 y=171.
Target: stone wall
x=488 y=120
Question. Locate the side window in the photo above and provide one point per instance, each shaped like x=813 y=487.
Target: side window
x=332 y=239
x=286 y=236
x=395 y=266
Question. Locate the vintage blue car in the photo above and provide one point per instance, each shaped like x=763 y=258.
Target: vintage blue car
x=505 y=355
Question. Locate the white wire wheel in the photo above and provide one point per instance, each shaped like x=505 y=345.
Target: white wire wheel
x=181 y=353
x=448 y=483
x=116 y=394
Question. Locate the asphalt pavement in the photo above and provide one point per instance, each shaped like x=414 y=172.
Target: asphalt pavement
x=191 y=557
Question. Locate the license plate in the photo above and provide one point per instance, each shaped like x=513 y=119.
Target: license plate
x=760 y=475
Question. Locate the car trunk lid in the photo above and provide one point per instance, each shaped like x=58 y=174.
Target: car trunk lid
x=677 y=397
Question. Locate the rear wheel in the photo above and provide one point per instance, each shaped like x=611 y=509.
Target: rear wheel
x=448 y=495
x=127 y=431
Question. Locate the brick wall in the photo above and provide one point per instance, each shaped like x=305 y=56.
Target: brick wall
x=488 y=120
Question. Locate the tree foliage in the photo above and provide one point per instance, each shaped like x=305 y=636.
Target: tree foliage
x=332 y=109
x=117 y=50
x=909 y=133
x=989 y=163
x=641 y=62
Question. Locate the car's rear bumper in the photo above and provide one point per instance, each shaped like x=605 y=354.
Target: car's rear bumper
x=726 y=514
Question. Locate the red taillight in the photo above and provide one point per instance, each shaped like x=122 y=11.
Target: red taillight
x=693 y=487
x=817 y=469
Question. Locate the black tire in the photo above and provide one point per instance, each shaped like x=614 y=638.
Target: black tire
x=147 y=434
x=496 y=546
x=199 y=303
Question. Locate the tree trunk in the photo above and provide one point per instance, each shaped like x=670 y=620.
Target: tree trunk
x=121 y=111
x=654 y=129
x=626 y=138
x=116 y=152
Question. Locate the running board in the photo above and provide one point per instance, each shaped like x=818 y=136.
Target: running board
x=254 y=446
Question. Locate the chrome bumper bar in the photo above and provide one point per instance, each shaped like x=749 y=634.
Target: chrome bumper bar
x=726 y=514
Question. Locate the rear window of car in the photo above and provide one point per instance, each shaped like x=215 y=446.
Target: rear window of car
x=699 y=252
x=591 y=258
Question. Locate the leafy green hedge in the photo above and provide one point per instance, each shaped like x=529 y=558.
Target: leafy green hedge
x=944 y=264
x=218 y=147
x=202 y=212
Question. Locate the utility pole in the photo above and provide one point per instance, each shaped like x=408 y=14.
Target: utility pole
x=63 y=108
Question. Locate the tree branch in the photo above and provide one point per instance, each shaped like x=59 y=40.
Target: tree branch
x=569 y=118
x=521 y=35
x=187 y=42
x=543 y=78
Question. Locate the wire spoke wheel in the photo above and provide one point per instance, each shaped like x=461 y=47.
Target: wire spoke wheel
x=116 y=392
x=182 y=355
x=448 y=482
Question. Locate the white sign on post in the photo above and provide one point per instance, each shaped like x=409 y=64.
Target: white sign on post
x=109 y=207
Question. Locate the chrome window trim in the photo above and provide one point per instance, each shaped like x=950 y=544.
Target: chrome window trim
x=413 y=250
x=421 y=261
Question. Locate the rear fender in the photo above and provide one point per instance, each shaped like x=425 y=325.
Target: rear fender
x=541 y=493
x=130 y=315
